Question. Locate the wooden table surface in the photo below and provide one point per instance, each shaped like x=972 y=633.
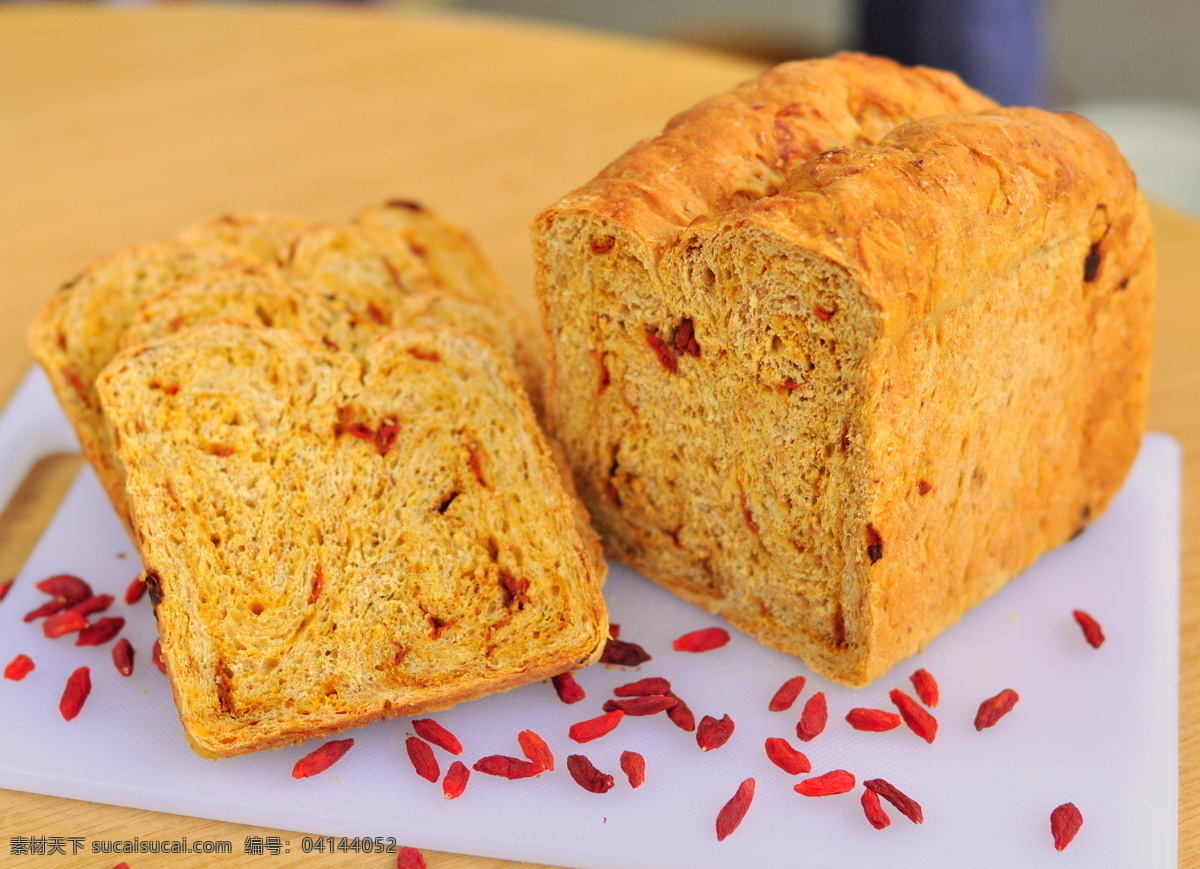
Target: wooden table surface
x=119 y=126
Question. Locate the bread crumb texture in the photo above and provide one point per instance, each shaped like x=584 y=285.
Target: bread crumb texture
x=843 y=350
x=335 y=541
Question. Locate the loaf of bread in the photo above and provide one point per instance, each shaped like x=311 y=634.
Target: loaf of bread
x=330 y=542
x=843 y=350
x=395 y=264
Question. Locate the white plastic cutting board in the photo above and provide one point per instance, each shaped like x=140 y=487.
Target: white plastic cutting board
x=1095 y=727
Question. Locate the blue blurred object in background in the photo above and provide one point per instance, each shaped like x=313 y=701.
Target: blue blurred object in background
x=996 y=46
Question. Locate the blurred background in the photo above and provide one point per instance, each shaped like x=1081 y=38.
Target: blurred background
x=1132 y=66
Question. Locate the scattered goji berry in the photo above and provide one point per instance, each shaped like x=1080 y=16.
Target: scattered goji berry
x=731 y=814
x=787 y=694
x=904 y=804
x=423 y=761
x=995 y=708
x=79 y=686
x=594 y=728
x=18 y=668
x=536 y=749
x=681 y=715
x=49 y=608
x=156 y=654
x=813 y=718
x=135 y=590
x=649 y=705
x=70 y=588
x=5 y=586
x=456 y=780
x=918 y=720
x=926 y=687
x=431 y=731
x=839 y=781
x=122 y=655
x=1065 y=822
x=874 y=720
x=1092 y=632
x=410 y=858
x=95 y=604
x=623 y=654
x=665 y=357
x=567 y=689
x=587 y=776
x=703 y=640
x=507 y=767
x=321 y=759
x=873 y=810
x=713 y=733
x=788 y=759
x=634 y=767
x=100 y=631
x=644 y=687
x=63 y=623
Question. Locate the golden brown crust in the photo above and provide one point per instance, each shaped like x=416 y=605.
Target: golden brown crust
x=806 y=407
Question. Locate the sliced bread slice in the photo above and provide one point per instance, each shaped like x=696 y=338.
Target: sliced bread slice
x=329 y=543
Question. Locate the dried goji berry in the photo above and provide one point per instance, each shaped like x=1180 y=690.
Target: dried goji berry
x=587 y=776
x=839 y=781
x=456 y=780
x=135 y=590
x=156 y=654
x=507 y=767
x=788 y=759
x=703 y=640
x=634 y=767
x=1065 y=822
x=431 y=731
x=122 y=655
x=361 y=430
x=49 y=608
x=95 y=604
x=79 y=686
x=623 y=654
x=685 y=337
x=70 y=588
x=535 y=748
x=1092 y=632
x=5 y=586
x=904 y=804
x=663 y=352
x=644 y=687
x=813 y=718
x=100 y=632
x=732 y=813
x=873 y=810
x=423 y=761
x=787 y=694
x=649 y=705
x=410 y=858
x=874 y=720
x=926 y=687
x=567 y=689
x=18 y=668
x=918 y=720
x=594 y=728
x=681 y=715
x=713 y=733
x=389 y=430
x=65 y=622
x=320 y=760
x=995 y=708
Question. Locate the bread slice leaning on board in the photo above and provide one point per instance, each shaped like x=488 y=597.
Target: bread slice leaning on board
x=329 y=542
x=845 y=349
